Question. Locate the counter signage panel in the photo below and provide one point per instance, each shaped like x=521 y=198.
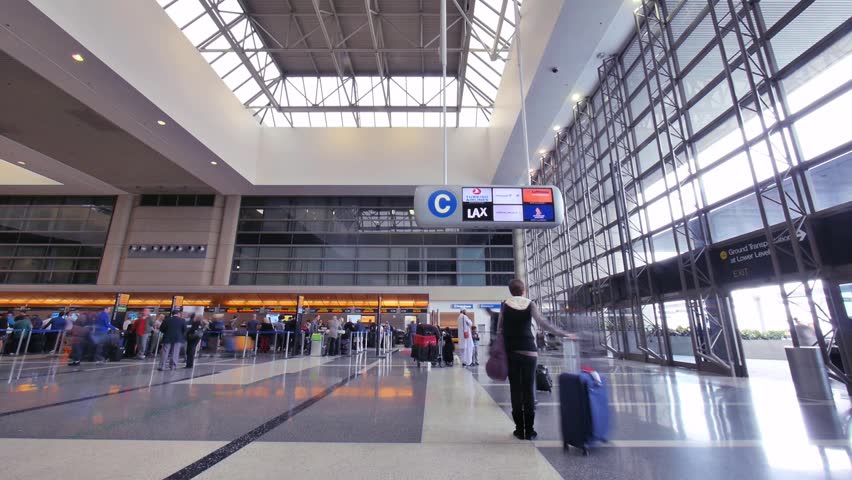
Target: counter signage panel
x=488 y=206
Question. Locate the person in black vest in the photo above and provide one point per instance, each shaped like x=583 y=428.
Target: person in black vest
x=173 y=329
x=515 y=324
x=194 y=333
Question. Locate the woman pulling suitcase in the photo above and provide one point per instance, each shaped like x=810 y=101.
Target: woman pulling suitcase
x=515 y=324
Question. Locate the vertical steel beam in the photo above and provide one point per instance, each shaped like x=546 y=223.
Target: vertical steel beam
x=749 y=55
x=697 y=282
x=636 y=254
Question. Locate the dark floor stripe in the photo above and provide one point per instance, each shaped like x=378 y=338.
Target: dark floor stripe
x=200 y=466
x=100 y=395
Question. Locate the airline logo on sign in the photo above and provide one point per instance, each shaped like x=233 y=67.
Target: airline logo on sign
x=538 y=213
x=476 y=195
x=509 y=213
x=477 y=212
x=508 y=196
x=538 y=195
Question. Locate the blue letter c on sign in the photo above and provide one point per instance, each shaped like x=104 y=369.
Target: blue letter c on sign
x=442 y=203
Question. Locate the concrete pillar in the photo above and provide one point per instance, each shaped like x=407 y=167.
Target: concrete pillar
x=519 y=251
x=227 y=241
x=114 y=247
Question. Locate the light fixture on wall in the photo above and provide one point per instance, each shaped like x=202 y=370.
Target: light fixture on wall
x=167 y=251
x=77 y=57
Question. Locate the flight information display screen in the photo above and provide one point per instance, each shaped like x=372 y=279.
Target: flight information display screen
x=501 y=204
x=494 y=206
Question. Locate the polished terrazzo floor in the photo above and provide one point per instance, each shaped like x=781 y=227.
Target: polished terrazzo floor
x=361 y=416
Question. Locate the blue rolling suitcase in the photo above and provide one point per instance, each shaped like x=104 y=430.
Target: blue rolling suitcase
x=584 y=406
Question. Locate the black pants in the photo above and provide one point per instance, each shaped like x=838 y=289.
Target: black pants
x=522 y=388
x=191 y=345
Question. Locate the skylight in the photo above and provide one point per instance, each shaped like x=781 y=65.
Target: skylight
x=331 y=82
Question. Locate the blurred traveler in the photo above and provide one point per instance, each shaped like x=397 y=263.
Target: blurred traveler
x=334 y=336
x=465 y=339
x=79 y=335
x=20 y=329
x=56 y=325
x=474 y=335
x=806 y=333
x=173 y=330
x=516 y=326
x=144 y=326
x=194 y=333
x=265 y=336
x=252 y=324
x=99 y=332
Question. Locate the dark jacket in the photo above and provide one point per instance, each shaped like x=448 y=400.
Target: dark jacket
x=251 y=325
x=173 y=329
x=193 y=327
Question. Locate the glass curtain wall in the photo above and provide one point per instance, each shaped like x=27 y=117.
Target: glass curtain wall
x=367 y=241
x=53 y=239
x=664 y=159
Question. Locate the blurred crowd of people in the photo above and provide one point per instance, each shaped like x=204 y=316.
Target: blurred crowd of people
x=95 y=336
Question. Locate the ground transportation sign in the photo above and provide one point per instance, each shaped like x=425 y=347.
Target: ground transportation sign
x=493 y=206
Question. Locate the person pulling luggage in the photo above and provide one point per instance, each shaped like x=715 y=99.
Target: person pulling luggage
x=515 y=324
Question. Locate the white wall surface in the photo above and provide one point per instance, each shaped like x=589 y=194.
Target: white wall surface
x=138 y=41
x=371 y=156
x=566 y=34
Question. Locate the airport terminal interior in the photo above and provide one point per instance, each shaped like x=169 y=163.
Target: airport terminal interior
x=425 y=239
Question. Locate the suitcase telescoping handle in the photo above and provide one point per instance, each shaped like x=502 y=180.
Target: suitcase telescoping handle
x=570 y=355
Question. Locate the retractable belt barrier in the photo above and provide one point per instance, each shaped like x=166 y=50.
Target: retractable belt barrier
x=28 y=333
x=357 y=340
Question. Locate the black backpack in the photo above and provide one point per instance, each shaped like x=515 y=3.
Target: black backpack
x=543 y=382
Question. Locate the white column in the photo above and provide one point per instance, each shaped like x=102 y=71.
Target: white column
x=519 y=251
x=114 y=247
x=227 y=240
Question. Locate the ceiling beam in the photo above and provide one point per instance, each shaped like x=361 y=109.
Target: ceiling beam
x=360 y=109
x=417 y=51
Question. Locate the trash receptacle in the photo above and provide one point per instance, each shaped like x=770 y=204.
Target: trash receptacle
x=808 y=372
x=316 y=345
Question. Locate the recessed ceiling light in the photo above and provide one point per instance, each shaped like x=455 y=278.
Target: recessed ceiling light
x=22 y=163
x=542 y=151
x=77 y=57
x=411 y=212
x=576 y=97
x=556 y=128
x=214 y=163
x=161 y=123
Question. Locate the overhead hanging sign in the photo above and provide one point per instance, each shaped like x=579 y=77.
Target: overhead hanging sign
x=493 y=206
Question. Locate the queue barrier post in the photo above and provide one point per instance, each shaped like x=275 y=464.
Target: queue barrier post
x=256 y=341
x=287 y=344
x=245 y=344
x=275 y=343
x=20 y=341
x=57 y=348
x=157 y=345
x=29 y=337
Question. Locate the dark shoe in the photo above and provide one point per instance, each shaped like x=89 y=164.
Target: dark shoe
x=519 y=435
x=160 y=368
x=531 y=435
x=71 y=364
x=188 y=366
